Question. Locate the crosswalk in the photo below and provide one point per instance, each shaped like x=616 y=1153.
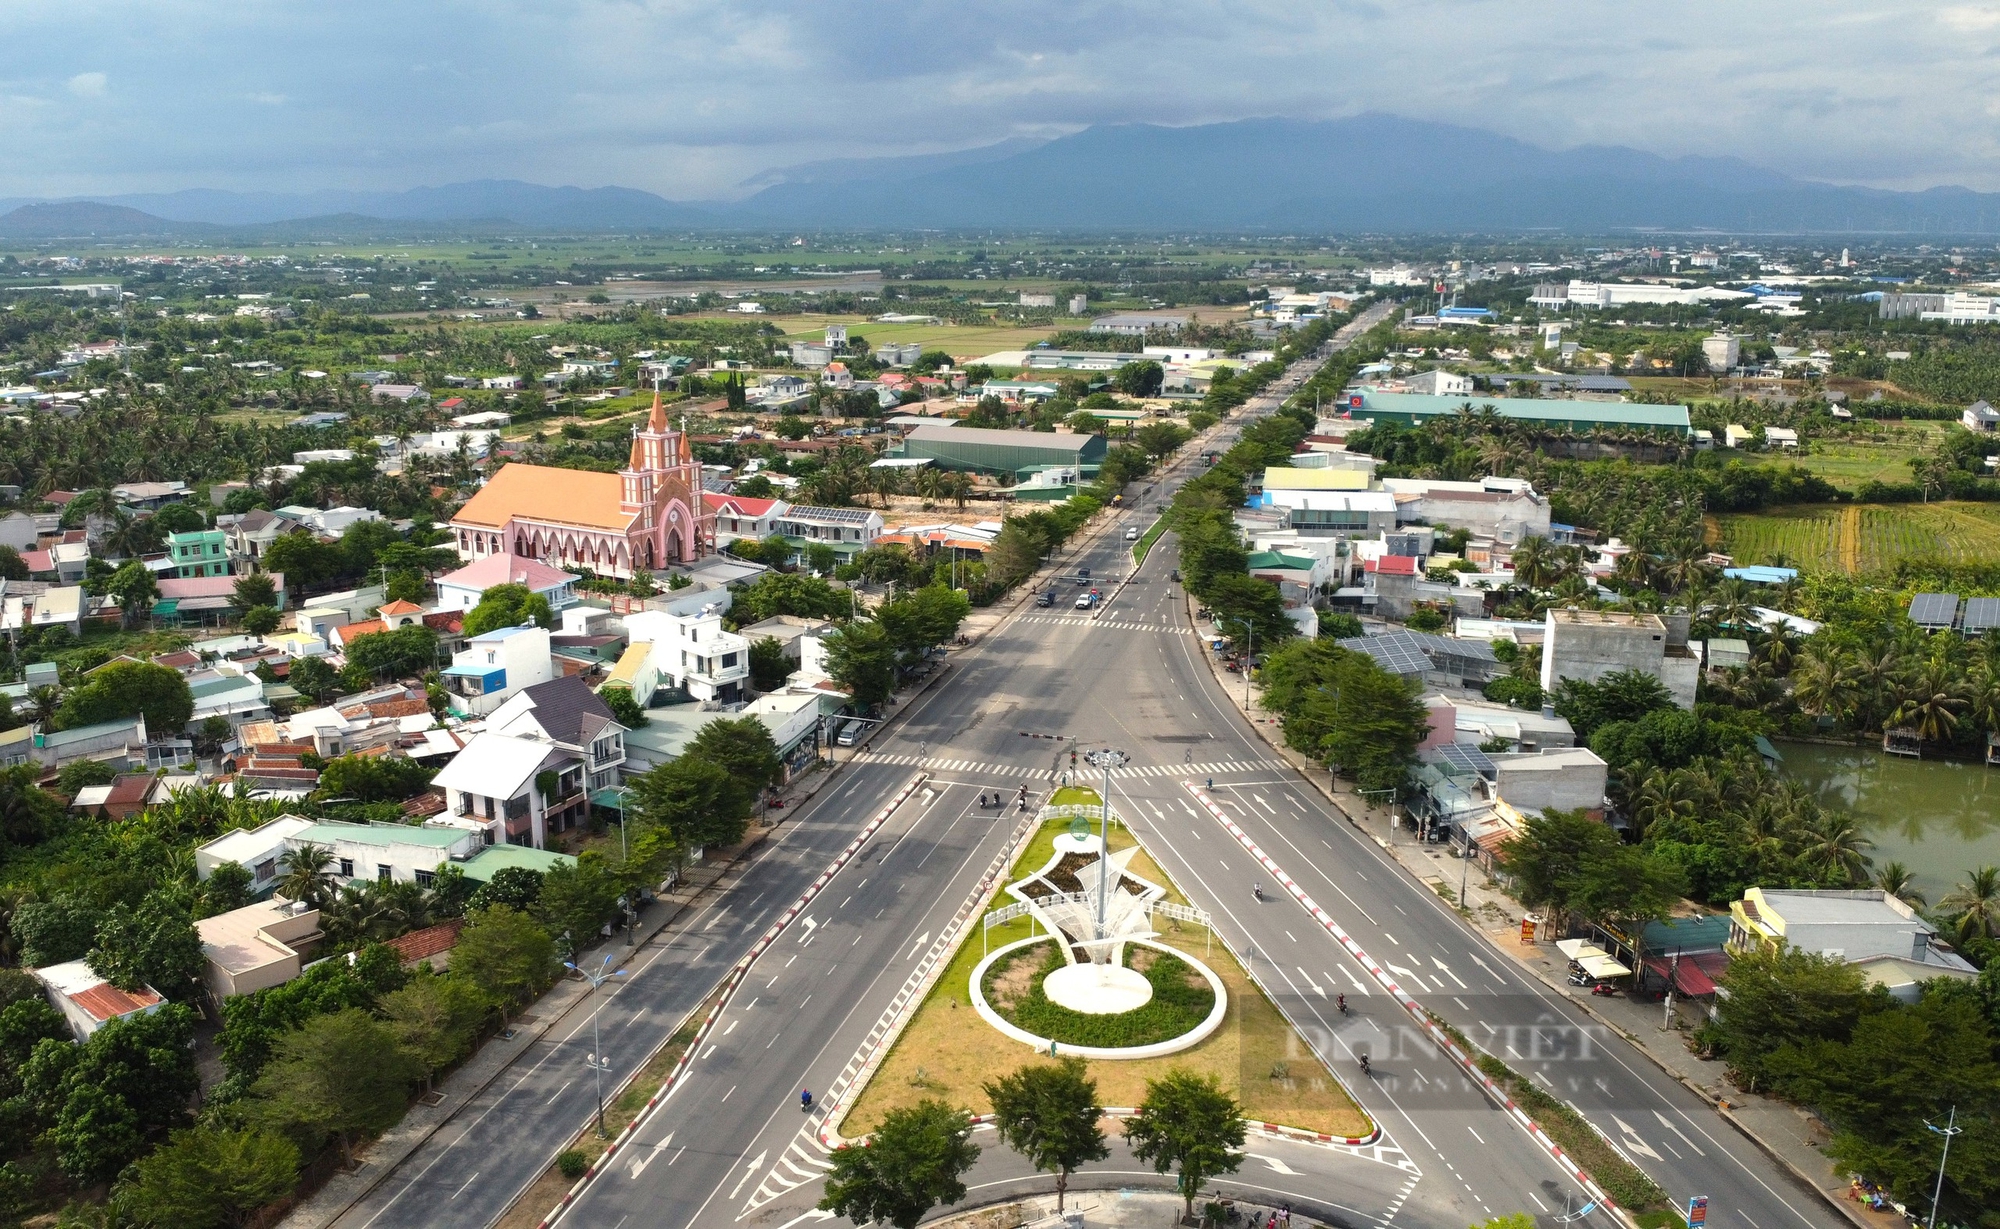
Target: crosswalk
x=1121 y=625
x=804 y=1161
x=1200 y=768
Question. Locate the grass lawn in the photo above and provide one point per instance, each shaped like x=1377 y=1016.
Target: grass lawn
x=1863 y=538
x=948 y=1051
x=1146 y=540
x=961 y=341
x=1883 y=458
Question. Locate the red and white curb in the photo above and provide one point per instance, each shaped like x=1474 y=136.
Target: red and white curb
x=728 y=986
x=1408 y=1004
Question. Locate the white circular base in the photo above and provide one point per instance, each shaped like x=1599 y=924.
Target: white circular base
x=1065 y=843
x=1098 y=989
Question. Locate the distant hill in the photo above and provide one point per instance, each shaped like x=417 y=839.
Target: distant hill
x=76 y=219
x=509 y=200
x=1367 y=173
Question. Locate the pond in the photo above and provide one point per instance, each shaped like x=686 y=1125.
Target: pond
x=1940 y=818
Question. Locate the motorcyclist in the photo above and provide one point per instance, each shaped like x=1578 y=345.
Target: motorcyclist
x=1340 y=1001
x=1364 y=1064
x=806 y=1098
x=1257 y=890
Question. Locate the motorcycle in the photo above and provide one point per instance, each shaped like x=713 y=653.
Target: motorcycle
x=1604 y=988
x=1579 y=979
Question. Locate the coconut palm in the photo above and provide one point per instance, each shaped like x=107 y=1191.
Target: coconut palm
x=306 y=878
x=1974 y=905
x=1983 y=697
x=1534 y=563
x=1877 y=672
x=1733 y=605
x=1896 y=879
x=1779 y=650
x=1836 y=847
x=1823 y=682
x=1663 y=795
x=1932 y=700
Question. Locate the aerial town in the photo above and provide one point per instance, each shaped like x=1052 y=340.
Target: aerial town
x=973 y=690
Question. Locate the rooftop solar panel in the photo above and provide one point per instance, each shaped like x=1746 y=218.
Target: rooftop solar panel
x=1933 y=609
x=1981 y=613
x=1467 y=757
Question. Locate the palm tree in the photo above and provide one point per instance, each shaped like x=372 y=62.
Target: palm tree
x=930 y=484
x=42 y=705
x=1895 y=879
x=1823 y=682
x=1836 y=847
x=1975 y=904
x=1733 y=605
x=1932 y=701
x=1534 y=563
x=1663 y=795
x=1983 y=700
x=1876 y=673
x=306 y=878
x=1636 y=569
x=1779 y=649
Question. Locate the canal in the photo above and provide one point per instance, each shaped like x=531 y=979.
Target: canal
x=1940 y=818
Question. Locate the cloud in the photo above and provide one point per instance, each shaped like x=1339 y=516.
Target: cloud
x=692 y=98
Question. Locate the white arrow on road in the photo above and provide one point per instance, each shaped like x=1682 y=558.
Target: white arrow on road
x=1316 y=987
x=1400 y=971
x=639 y=1163
x=815 y=1214
x=1633 y=1141
x=749 y=1171
x=919 y=945
x=1448 y=973
x=810 y=926
x=1668 y=1123
x=1277 y=1166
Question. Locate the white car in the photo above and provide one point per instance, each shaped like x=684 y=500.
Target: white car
x=1132 y=534
x=1084 y=602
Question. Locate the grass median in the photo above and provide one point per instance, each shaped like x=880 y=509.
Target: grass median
x=1146 y=540
x=948 y=1051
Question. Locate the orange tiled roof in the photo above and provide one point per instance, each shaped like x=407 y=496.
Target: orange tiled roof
x=108 y=1002
x=429 y=941
x=401 y=607
x=544 y=493
x=353 y=631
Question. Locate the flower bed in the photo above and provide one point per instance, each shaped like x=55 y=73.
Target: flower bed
x=1181 y=1000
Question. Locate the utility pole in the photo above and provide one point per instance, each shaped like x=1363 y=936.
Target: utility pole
x=1250 y=655
x=1949 y=1129
x=598 y=1059
x=1464 y=866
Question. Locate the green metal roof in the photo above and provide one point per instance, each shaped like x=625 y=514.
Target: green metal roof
x=382 y=834
x=1422 y=406
x=1272 y=559
x=493 y=859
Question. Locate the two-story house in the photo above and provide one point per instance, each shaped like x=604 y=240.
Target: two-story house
x=740 y=516
x=494 y=666
x=849 y=531
x=689 y=651
x=199 y=552
x=531 y=772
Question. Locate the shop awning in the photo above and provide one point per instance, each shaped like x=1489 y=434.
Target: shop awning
x=1591 y=958
x=1688 y=977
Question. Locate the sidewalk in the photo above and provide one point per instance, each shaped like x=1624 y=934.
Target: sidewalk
x=1788 y=1135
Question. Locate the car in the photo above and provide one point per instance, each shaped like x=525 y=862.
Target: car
x=1132 y=534
x=1083 y=572
x=1084 y=602
x=1045 y=600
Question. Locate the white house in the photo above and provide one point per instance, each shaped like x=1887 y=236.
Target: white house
x=256 y=850
x=496 y=665
x=740 y=516
x=848 y=531
x=532 y=770
x=690 y=651
x=1980 y=416
x=462 y=589
x=87 y=1001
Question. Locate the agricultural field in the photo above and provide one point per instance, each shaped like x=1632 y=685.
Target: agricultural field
x=1847 y=464
x=961 y=341
x=1862 y=538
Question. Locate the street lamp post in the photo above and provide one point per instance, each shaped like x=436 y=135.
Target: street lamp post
x=598 y=1059
x=624 y=857
x=1949 y=1129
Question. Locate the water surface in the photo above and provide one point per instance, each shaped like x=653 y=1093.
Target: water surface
x=1940 y=818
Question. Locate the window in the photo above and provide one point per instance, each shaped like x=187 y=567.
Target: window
x=728 y=659
x=383 y=871
x=347 y=868
x=426 y=878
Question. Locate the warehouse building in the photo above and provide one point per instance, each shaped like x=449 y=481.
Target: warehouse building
x=1408 y=409
x=986 y=451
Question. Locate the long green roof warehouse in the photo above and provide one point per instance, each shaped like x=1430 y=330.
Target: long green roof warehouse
x=1410 y=408
x=996 y=452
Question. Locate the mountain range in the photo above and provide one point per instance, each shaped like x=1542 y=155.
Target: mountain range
x=1367 y=173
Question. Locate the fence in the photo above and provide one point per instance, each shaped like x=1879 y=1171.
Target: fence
x=1022 y=909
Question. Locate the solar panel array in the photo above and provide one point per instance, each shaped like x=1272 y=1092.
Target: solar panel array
x=1394 y=652
x=1934 y=610
x=1981 y=614
x=831 y=516
x=1467 y=757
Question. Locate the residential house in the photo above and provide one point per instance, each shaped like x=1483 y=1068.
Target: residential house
x=1586 y=645
x=115 y=742
x=1893 y=946
x=496 y=665
x=18 y=530
x=462 y=589
x=739 y=516
x=848 y=531
x=248 y=536
x=256 y=947
x=200 y=552
x=401 y=853
x=149 y=496
x=257 y=850
x=1980 y=416
x=531 y=772
x=1553 y=779
x=87 y=1001
x=688 y=651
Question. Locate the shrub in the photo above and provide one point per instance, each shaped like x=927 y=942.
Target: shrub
x=1178 y=1005
x=571 y=1164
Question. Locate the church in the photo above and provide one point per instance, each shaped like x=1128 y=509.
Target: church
x=648 y=515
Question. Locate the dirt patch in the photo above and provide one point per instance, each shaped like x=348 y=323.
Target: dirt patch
x=1008 y=981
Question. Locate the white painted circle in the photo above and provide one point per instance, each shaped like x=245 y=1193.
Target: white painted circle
x=1098 y=989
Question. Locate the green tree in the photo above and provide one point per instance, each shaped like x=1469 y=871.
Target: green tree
x=1237 y=599
x=129 y=1081
x=227 y=887
x=516 y=887
x=743 y=748
x=1050 y=1115
x=915 y=1160
x=862 y=658
x=124 y=689
x=307 y=877
x=12 y=566
x=373 y=778
x=1141 y=378
x=253 y=590
x=1187 y=1123
x=154 y=945
x=402 y=653
x=81 y=774
x=769 y=667
x=338 y=1076
x=624 y=707
x=918 y=620
x=691 y=798
x=435 y=1019
x=135 y=589
x=313 y=678
x=208 y=1179
x=578 y=900
x=507 y=606
x=52 y=931
x=26 y=809
x=504 y=953
x=1622 y=695
x=1974 y=905
x=1787 y=997
x=303 y=560
x=790 y=593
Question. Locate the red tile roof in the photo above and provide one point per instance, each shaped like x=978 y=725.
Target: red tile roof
x=738 y=505
x=108 y=1002
x=1391 y=565
x=419 y=944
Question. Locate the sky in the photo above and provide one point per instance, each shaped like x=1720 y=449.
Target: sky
x=694 y=98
